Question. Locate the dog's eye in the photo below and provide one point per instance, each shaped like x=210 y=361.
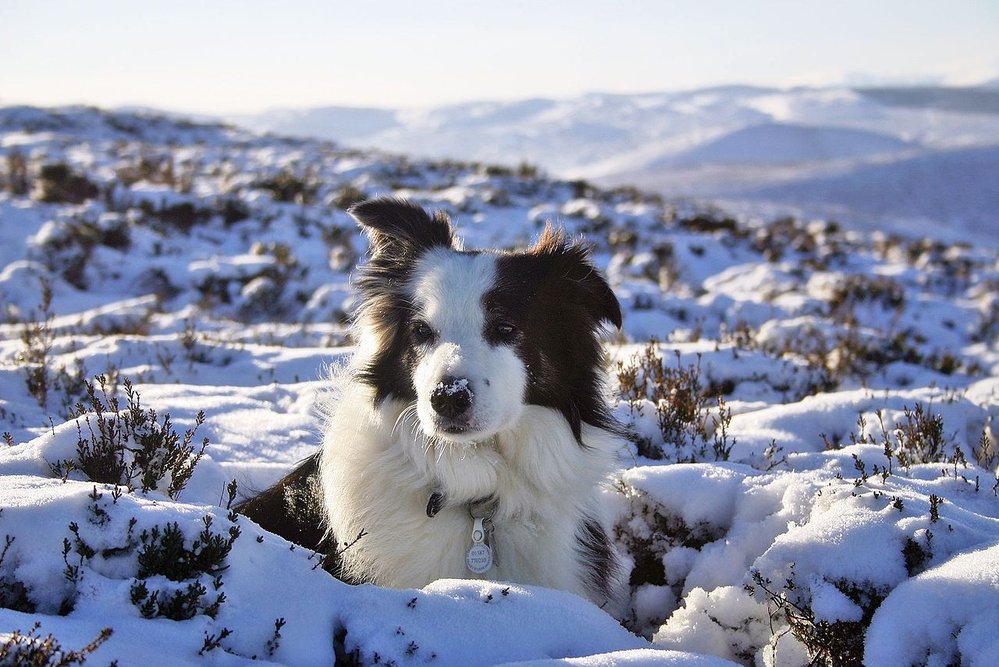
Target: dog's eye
x=422 y=333
x=504 y=330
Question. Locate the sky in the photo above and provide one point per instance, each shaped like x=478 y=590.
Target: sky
x=243 y=56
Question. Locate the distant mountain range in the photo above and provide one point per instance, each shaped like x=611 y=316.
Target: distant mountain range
x=877 y=155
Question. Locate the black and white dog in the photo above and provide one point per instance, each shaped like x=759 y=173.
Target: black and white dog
x=470 y=436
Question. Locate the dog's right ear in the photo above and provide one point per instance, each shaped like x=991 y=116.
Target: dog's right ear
x=399 y=226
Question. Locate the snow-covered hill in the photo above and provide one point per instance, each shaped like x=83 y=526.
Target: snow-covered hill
x=813 y=433
x=784 y=143
x=925 y=188
x=736 y=142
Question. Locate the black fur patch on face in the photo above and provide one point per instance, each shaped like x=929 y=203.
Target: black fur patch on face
x=597 y=556
x=554 y=299
x=399 y=233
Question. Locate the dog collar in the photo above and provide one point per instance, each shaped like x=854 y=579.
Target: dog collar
x=481 y=555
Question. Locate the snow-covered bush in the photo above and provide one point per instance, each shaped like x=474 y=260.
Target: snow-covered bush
x=129 y=445
x=58 y=183
x=692 y=420
x=764 y=566
x=31 y=649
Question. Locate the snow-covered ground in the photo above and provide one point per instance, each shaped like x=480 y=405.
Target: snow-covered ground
x=812 y=473
x=871 y=158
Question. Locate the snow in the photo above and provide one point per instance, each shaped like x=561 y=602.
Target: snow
x=941 y=185
x=454 y=621
x=252 y=602
x=448 y=622
x=947 y=611
x=869 y=157
x=847 y=479
x=709 y=491
x=456 y=386
x=636 y=657
x=776 y=143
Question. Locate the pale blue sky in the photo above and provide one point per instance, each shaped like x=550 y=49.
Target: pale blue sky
x=250 y=55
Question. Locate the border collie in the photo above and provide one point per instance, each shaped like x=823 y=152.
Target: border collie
x=469 y=437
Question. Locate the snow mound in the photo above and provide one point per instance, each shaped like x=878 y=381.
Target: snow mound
x=263 y=579
x=945 y=615
x=453 y=622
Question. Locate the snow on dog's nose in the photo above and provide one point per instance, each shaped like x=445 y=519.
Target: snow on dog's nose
x=451 y=398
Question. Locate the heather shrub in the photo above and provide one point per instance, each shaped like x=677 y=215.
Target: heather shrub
x=130 y=445
x=30 y=649
x=59 y=184
x=692 y=422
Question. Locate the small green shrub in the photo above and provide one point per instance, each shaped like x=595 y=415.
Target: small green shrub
x=858 y=289
x=13 y=593
x=31 y=650
x=497 y=171
x=37 y=338
x=274 y=643
x=583 y=189
x=151 y=168
x=42 y=376
x=164 y=553
x=856 y=352
x=17 y=174
x=683 y=408
x=647 y=533
x=287 y=187
x=130 y=446
x=709 y=224
x=214 y=641
x=182 y=216
x=233 y=210
x=173 y=576
x=985 y=452
x=68 y=251
x=917 y=555
x=815 y=245
x=347 y=196
x=920 y=437
x=61 y=185
x=527 y=170
x=833 y=644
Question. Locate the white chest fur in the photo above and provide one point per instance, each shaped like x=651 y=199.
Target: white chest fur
x=378 y=474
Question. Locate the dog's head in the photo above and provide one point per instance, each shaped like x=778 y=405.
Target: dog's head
x=470 y=337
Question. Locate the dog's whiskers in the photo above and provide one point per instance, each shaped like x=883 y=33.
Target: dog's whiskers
x=408 y=411
x=416 y=432
x=441 y=445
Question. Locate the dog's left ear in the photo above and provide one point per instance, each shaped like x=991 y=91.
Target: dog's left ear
x=398 y=225
x=572 y=261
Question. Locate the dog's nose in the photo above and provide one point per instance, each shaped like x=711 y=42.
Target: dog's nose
x=452 y=397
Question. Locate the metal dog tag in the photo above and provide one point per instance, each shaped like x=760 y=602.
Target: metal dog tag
x=479 y=557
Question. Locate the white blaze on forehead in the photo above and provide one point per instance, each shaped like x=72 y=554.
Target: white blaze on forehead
x=447 y=289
